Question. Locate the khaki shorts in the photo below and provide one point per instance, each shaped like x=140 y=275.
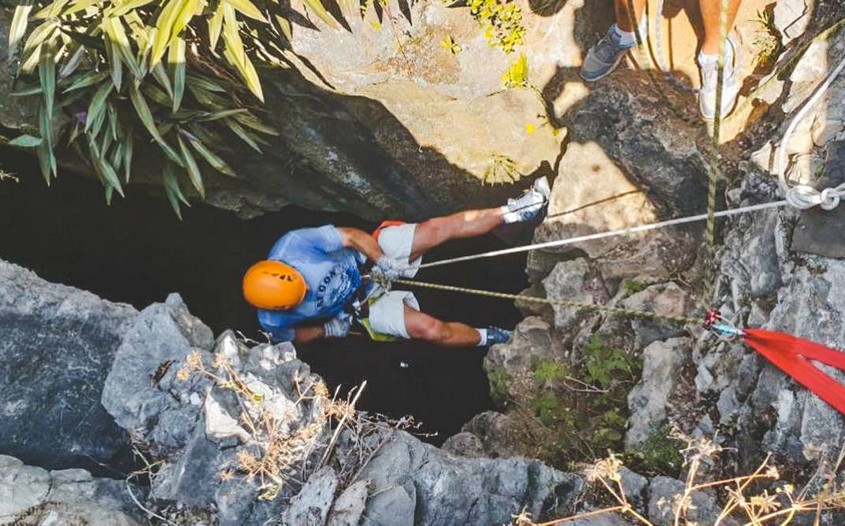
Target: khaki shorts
x=387 y=313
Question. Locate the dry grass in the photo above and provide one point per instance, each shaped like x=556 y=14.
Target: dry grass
x=275 y=454
x=757 y=499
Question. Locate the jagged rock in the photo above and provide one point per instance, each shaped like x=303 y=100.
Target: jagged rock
x=664 y=299
x=633 y=483
x=704 y=509
x=755 y=261
x=56 y=348
x=488 y=434
x=792 y=18
x=348 y=508
x=662 y=365
x=32 y=495
x=464 y=444
x=808 y=308
x=573 y=281
x=649 y=168
x=415 y=483
x=140 y=389
x=311 y=505
x=601 y=520
x=532 y=340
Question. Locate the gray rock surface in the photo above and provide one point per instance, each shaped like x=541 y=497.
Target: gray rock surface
x=662 y=365
x=649 y=166
x=661 y=511
x=573 y=281
x=311 y=505
x=56 y=348
x=32 y=495
x=415 y=483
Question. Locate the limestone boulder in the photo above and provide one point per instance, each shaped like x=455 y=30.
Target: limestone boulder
x=33 y=495
x=57 y=346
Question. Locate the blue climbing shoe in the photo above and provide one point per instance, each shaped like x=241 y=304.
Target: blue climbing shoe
x=498 y=335
x=603 y=57
x=529 y=205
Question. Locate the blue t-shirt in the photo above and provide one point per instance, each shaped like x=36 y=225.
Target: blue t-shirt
x=330 y=272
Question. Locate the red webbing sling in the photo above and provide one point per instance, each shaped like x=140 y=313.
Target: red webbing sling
x=791 y=355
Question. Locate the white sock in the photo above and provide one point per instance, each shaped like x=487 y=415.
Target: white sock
x=711 y=60
x=482 y=334
x=508 y=216
x=625 y=38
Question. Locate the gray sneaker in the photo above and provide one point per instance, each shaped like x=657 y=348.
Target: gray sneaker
x=530 y=204
x=603 y=57
x=730 y=85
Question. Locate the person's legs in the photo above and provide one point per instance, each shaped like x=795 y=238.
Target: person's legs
x=710 y=14
x=623 y=19
x=472 y=223
x=709 y=56
x=421 y=326
x=396 y=313
x=608 y=52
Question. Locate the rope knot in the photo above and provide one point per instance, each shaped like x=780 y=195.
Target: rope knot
x=829 y=198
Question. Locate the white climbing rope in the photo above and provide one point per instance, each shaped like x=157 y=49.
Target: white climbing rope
x=600 y=235
x=804 y=196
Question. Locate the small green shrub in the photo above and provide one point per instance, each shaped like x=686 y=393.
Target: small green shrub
x=660 y=454
x=500 y=382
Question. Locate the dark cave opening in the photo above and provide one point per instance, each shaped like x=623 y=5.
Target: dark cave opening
x=137 y=251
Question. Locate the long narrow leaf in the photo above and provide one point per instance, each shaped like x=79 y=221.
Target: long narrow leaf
x=73 y=63
x=164 y=29
x=116 y=64
x=18 y=28
x=176 y=57
x=98 y=104
x=160 y=75
x=26 y=141
x=243 y=134
x=147 y=120
x=27 y=92
x=88 y=79
x=247 y=8
x=216 y=162
x=191 y=167
x=113 y=28
x=171 y=187
x=251 y=121
x=320 y=11
x=47 y=75
x=45 y=127
x=215 y=25
x=43 y=154
x=129 y=6
x=127 y=154
x=204 y=83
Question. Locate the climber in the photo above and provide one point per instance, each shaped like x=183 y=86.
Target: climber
x=605 y=55
x=312 y=286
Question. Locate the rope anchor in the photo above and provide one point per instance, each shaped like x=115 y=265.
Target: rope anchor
x=716 y=324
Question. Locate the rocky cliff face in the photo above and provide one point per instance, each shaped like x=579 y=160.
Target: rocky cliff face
x=229 y=432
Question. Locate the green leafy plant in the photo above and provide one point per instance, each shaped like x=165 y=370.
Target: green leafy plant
x=766 y=39
x=113 y=75
x=501 y=21
x=500 y=382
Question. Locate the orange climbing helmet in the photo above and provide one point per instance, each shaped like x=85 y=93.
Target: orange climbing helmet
x=272 y=285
